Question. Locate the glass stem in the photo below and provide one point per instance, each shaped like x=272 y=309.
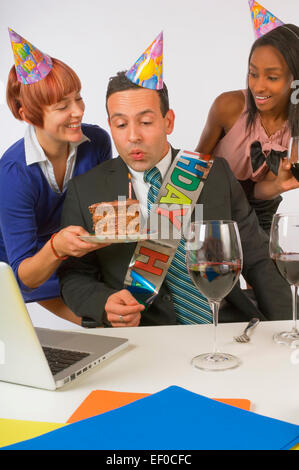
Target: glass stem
x=294 y=290
x=215 y=310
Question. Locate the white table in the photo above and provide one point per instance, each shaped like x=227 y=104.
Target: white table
x=158 y=357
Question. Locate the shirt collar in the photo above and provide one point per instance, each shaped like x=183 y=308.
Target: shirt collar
x=162 y=166
x=34 y=152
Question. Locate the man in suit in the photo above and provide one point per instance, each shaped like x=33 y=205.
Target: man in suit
x=92 y=286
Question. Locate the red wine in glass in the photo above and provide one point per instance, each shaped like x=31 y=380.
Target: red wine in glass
x=293 y=156
x=295 y=170
x=215 y=280
x=288 y=265
x=214 y=261
x=284 y=250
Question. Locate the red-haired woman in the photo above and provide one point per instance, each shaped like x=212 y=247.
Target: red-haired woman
x=34 y=173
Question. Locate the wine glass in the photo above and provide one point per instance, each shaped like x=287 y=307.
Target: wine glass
x=284 y=249
x=214 y=262
x=293 y=156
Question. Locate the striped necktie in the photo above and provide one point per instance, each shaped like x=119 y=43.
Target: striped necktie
x=190 y=306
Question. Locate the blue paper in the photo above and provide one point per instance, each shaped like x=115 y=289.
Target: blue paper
x=172 y=419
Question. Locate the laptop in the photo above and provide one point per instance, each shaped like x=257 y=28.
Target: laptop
x=40 y=357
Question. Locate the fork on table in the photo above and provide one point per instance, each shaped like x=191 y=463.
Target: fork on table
x=244 y=337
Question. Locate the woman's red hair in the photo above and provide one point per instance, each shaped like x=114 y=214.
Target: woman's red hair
x=61 y=81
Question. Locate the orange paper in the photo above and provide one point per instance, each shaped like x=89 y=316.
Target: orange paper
x=238 y=402
x=100 y=401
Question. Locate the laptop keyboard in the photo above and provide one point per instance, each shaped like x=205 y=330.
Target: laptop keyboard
x=60 y=359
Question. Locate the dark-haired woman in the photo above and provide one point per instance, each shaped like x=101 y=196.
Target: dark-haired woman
x=251 y=128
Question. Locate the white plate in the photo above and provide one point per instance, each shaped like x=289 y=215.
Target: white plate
x=119 y=239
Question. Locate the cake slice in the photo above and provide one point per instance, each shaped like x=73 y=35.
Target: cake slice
x=111 y=219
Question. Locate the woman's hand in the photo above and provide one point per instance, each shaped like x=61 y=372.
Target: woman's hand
x=68 y=243
x=37 y=269
x=285 y=179
x=272 y=186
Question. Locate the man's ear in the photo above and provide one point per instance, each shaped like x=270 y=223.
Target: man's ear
x=23 y=117
x=169 y=121
x=109 y=123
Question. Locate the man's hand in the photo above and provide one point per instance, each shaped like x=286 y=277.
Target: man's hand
x=123 y=309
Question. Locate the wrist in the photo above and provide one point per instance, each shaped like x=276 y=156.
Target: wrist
x=266 y=190
x=56 y=254
x=276 y=189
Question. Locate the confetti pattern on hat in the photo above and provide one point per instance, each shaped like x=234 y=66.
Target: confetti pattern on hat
x=147 y=71
x=32 y=65
x=263 y=20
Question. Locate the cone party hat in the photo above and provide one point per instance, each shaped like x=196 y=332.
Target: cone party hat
x=147 y=71
x=263 y=20
x=32 y=65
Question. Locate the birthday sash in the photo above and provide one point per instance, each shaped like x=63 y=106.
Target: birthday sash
x=172 y=210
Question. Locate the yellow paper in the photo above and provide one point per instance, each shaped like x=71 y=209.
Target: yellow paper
x=13 y=431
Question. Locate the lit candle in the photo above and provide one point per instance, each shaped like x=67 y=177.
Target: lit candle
x=130 y=186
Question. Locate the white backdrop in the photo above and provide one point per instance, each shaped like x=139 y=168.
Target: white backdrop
x=206 y=47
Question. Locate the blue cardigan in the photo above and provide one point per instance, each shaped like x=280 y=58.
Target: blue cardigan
x=30 y=210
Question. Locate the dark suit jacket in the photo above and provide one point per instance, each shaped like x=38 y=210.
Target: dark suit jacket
x=87 y=282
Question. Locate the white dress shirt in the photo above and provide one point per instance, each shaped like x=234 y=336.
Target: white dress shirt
x=35 y=154
x=141 y=188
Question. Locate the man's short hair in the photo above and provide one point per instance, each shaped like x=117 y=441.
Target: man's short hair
x=121 y=83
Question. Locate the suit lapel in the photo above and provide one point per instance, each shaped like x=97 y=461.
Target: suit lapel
x=174 y=153
x=116 y=179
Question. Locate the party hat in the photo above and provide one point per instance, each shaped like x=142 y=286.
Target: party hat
x=148 y=69
x=32 y=65
x=263 y=20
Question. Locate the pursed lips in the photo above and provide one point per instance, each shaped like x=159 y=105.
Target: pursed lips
x=136 y=154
